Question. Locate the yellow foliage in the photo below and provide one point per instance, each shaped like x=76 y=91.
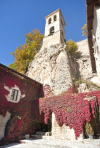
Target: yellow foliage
x=84 y=30
x=25 y=53
x=72 y=47
x=12 y=66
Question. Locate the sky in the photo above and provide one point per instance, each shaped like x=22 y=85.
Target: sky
x=18 y=17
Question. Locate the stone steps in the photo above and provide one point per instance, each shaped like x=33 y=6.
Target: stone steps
x=47 y=136
x=41 y=135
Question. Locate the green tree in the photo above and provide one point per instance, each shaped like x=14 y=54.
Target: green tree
x=72 y=48
x=25 y=53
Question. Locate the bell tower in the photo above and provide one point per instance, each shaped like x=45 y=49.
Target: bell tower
x=54 y=29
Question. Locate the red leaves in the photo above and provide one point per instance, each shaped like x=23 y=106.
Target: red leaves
x=92 y=106
x=69 y=108
x=47 y=91
x=24 y=114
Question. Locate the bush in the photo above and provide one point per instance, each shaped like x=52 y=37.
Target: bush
x=89 y=129
x=72 y=48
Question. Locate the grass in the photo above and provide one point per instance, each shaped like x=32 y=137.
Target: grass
x=88 y=83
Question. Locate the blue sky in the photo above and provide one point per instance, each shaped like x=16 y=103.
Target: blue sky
x=18 y=17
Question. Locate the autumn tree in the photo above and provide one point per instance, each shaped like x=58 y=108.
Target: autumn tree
x=72 y=48
x=84 y=30
x=25 y=53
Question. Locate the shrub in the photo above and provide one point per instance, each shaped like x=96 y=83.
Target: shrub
x=89 y=129
x=72 y=48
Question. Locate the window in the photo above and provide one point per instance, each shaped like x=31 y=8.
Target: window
x=14 y=94
x=55 y=17
x=52 y=30
x=49 y=21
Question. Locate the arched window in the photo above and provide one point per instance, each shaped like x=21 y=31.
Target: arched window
x=49 y=22
x=52 y=30
x=55 y=17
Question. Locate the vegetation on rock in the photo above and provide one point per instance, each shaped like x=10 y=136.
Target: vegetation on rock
x=72 y=48
x=90 y=85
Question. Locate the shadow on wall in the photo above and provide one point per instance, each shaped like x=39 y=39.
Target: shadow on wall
x=74 y=66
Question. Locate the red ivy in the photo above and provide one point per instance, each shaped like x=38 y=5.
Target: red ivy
x=24 y=114
x=69 y=108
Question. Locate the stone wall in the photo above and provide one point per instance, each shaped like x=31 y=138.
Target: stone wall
x=64 y=132
x=52 y=39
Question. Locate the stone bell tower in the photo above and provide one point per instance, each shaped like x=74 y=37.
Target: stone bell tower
x=54 y=29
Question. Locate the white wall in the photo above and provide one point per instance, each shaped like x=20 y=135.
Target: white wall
x=96 y=38
x=53 y=23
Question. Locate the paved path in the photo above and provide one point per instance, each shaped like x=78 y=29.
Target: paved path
x=41 y=143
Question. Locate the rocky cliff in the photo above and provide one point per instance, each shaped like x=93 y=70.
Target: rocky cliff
x=56 y=67
x=51 y=66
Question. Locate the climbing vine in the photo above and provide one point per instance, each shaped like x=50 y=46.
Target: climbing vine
x=24 y=114
x=69 y=108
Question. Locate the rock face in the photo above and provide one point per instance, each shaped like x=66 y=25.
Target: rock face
x=84 y=62
x=54 y=66
x=51 y=66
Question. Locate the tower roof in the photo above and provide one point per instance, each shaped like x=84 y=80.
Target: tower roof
x=58 y=10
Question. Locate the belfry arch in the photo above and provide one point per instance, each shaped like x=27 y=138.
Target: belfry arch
x=55 y=17
x=52 y=30
x=49 y=22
